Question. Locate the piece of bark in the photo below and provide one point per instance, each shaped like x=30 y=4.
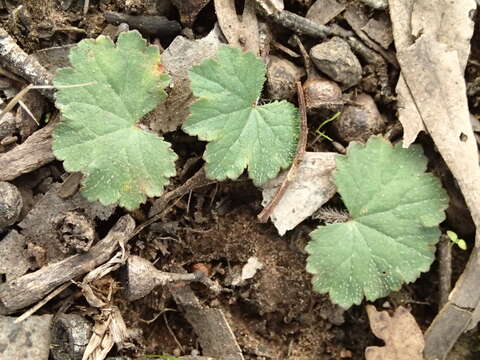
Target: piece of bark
x=14 y=257
x=149 y=24
x=322 y=11
x=214 y=333
x=380 y=30
x=27 y=340
x=70 y=185
x=30 y=288
x=35 y=152
x=435 y=80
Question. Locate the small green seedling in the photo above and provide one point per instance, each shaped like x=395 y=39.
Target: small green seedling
x=395 y=208
x=241 y=133
x=99 y=134
x=454 y=239
x=320 y=133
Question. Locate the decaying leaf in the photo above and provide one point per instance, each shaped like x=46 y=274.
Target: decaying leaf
x=241 y=33
x=436 y=81
x=312 y=187
x=448 y=23
x=403 y=338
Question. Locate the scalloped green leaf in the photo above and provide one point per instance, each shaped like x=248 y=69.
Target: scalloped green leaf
x=102 y=97
x=395 y=209
x=241 y=134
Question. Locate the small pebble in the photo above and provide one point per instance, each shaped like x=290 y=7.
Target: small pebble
x=281 y=77
x=359 y=121
x=10 y=204
x=335 y=59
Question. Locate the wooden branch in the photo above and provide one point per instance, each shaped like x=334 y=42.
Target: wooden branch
x=35 y=152
x=210 y=324
x=30 y=288
x=302 y=144
x=14 y=59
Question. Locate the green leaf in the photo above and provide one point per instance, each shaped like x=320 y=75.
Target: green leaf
x=99 y=134
x=241 y=133
x=395 y=210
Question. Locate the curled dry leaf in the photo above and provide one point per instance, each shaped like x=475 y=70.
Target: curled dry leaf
x=403 y=338
x=311 y=188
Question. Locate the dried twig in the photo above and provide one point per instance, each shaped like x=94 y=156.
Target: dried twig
x=444 y=269
x=299 y=24
x=302 y=143
x=35 y=152
x=13 y=58
x=38 y=305
x=30 y=288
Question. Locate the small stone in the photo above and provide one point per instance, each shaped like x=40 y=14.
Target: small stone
x=10 y=204
x=376 y=4
x=335 y=59
x=281 y=78
x=359 y=121
x=29 y=339
x=70 y=336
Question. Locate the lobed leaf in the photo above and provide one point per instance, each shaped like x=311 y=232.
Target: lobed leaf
x=102 y=97
x=241 y=134
x=395 y=209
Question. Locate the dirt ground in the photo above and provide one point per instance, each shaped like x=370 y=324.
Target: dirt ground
x=273 y=315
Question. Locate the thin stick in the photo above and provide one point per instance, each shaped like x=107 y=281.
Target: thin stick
x=299 y=24
x=444 y=270
x=17 y=98
x=38 y=305
x=302 y=144
x=27 y=110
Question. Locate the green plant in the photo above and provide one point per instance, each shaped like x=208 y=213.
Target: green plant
x=241 y=133
x=99 y=134
x=454 y=239
x=395 y=209
x=320 y=133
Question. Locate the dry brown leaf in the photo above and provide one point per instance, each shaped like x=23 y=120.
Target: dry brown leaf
x=312 y=187
x=403 y=338
x=449 y=23
x=178 y=59
x=241 y=33
x=435 y=79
